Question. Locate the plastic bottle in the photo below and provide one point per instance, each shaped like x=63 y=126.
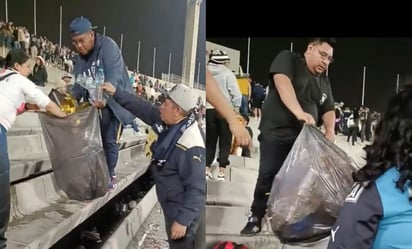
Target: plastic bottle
x=99 y=79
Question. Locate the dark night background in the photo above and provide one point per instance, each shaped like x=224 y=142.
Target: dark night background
x=384 y=58
x=154 y=22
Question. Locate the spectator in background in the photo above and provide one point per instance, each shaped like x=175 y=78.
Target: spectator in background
x=217 y=128
x=39 y=74
x=65 y=85
x=246 y=150
x=216 y=98
x=353 y=126
x=258 y=96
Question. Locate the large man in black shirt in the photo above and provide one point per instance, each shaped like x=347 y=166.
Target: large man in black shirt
x=299 y=92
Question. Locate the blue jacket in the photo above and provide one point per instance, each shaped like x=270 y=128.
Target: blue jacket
x=376 y=217
x=180 y=183
x=105 y=54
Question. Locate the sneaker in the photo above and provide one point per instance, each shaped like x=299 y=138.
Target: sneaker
x=221 y=176
x=253 y=226
x=113 y=175
x=209 y=176
x=112 y=185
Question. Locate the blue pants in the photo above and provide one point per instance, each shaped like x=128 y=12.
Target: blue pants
x=4 y=187
x=109 y=128
x=244 y=107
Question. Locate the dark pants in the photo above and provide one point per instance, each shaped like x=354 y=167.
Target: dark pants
x=217 y=127
x=353 y=132
x=4 y=187
x=109 y=128
x=272 y=155
x=244 y=107
x=188 y=241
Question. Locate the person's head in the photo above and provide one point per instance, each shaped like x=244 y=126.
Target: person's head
x=177 y=104
x=82 y=35
x=393 y=143
x=319 y=54
x=219 y=57
x=17 y=59
x=40 y=60
x=67 y=78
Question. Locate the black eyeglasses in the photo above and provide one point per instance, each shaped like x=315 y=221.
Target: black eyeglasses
x=325 y=56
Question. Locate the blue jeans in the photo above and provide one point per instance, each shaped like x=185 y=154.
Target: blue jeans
x=109 y=128
x=4 y=187
x=244 y=107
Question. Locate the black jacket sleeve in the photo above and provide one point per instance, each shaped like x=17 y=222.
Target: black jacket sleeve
x=358 y=219
x=139 y=107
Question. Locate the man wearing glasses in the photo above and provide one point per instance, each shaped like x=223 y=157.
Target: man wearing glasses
x=299 y=92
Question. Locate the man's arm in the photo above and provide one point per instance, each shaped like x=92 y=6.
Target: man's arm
x=329 y=121
x=216 y=98
x=191 y=171
x=329 y=116
x=114 y=64
x=137 y=106
x=288 y=96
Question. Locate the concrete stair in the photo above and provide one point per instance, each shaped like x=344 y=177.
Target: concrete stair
x=228 y=204
x=42 y=214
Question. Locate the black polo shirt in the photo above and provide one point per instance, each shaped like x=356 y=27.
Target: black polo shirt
x=312 y=91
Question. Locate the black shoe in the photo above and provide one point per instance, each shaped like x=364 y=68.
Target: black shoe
x=253 y=226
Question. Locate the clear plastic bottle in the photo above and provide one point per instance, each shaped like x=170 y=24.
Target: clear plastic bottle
x=99 y=79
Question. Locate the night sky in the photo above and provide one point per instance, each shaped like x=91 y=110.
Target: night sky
x=384 y=58
x=154 y=22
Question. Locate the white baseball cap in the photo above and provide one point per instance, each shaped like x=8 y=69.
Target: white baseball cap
x=182 y=95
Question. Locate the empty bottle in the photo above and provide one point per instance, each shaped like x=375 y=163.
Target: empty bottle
x=99 y=79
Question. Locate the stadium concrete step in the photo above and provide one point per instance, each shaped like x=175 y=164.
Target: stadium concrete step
x=29 y=156
x=223 y=193
x=225 y=223
x=41 y=214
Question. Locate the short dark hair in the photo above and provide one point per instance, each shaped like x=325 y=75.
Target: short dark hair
x=319 y=40
x=392 y=146
x=2 y=62
x=16 y=55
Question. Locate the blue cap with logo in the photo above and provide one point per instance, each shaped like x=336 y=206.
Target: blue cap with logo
x=80 y=25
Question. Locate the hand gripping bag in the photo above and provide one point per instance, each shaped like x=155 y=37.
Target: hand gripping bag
x=76 y=153
x=309 y=189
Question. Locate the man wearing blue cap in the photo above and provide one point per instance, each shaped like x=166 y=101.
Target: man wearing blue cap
x=98 y=52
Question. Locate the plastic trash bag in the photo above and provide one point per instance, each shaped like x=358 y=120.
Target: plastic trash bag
x=76 y=154
x=310 y=188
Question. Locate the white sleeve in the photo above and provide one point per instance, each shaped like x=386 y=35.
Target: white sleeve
x=32 y=93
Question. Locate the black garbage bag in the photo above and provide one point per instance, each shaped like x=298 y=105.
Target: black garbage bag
x=309 y=189
x=76 y=153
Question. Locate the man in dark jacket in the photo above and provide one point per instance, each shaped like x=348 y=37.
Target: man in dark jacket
x=178 y=160
x=39 y=74
x=97 y=52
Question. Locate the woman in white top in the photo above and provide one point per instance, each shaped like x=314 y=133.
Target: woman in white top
x=15 y=91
